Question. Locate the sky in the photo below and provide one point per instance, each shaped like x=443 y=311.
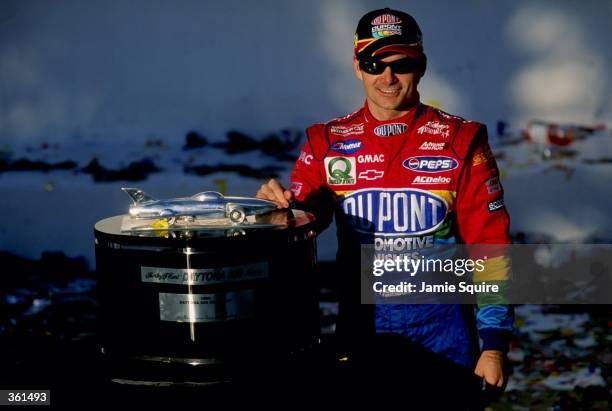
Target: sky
x=124 y=70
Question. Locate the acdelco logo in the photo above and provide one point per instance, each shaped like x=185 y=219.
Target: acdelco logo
x=431 y=180
x=430 y=164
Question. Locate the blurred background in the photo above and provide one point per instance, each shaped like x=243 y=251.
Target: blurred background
x=187 y=96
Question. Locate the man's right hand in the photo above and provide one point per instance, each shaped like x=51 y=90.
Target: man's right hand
x=272 y=190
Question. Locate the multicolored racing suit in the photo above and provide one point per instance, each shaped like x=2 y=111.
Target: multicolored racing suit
x=423 y=179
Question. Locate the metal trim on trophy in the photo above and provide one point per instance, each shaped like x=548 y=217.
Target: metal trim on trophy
x=210 y=278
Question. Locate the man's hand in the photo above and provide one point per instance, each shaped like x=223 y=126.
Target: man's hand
x=490 y=366
x=274 y=191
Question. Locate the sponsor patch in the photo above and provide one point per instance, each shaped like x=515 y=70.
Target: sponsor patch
x=434 y=128
x=493 y=185
x=391 y=129
x=394 y=211
x=482 y=157
x=431 y=180
x=305 y=158
x=296 y=188
x=397 y=244
x=347 y=147
x=430 y=164
x=371 y=174
x=354 y=129
x=370 y=158
x=340 y=170
x=386 y=19
x=496 y=205
x=449 y=116
x=386 y=25
x=429 y=145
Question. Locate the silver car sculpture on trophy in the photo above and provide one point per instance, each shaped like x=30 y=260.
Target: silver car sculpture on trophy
x=207 y=204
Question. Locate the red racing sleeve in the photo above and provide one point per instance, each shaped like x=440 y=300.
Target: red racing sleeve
x=481 y=213
x=308 y=181
x=306 y=176
x=482 y=218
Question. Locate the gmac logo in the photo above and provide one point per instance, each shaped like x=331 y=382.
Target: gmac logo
x=394 y=211
x=430 y=164
x=305 y=158
x=346 y=147
x=340 y=170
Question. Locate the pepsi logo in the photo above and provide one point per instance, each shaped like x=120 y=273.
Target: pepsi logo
x=430 y=164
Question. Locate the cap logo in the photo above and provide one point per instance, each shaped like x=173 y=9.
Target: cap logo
x=386 y=25
x=386 y=19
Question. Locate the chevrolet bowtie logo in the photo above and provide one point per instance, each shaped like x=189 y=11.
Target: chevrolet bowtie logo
x=371 y=174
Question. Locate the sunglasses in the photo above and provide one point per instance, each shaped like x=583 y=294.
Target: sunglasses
x=401 y=66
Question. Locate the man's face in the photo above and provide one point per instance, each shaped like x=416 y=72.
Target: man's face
x=389 y=93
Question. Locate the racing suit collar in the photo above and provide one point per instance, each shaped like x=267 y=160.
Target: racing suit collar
x=371 y=123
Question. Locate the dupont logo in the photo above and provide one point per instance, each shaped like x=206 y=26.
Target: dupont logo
x=430 y=164
x=392 y=129
x=394 y=211
x=386 y=19
x=347 y=147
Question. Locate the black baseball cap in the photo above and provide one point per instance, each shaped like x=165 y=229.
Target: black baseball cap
x=388 y=31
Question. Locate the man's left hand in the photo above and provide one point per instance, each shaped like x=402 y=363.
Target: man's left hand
x=490 y=366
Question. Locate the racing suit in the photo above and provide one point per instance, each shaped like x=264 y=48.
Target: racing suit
x=426 y=178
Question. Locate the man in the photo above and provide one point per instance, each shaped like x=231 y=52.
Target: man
x=393 y=151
